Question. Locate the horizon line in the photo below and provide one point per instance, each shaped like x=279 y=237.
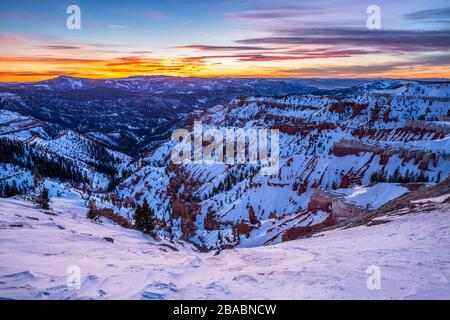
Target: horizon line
x=225 y=77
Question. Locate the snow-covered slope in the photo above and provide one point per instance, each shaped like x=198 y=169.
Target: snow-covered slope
x=388 y=131
x=38 y=248
x=27 y=143
x=373 y=196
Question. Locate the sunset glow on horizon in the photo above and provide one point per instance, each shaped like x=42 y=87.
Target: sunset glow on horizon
x=225 y=38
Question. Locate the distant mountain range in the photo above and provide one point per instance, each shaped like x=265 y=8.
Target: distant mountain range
x=134 y=114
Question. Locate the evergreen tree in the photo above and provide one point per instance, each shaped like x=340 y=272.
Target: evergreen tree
x=92 y=212
x=43 y=199
x=138 y=217
x=36 y=179
x=395 y=176
x=148 y=218
x=144 y=218
x=422 y=177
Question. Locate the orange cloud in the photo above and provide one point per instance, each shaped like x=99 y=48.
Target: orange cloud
x=27 y=68
x=39 y=68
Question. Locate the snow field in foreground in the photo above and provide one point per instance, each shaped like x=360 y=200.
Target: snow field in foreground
x=37 y=248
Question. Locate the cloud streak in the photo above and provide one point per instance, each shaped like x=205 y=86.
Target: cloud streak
x=251 y=38
x=224 y=48
x=438 y=14
x=388 y=40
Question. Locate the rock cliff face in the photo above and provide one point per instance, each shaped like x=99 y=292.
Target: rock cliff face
x=341 y=209
x=320 y=200
x=184 y=203
x=299 y=232
x=110 y=215
x=335 y=204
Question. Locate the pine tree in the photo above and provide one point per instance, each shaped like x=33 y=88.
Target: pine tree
x=92 y=214
x=148 y=218
x=395 y=176
x=43 y=199
x=438 y=178
x=138 y=217
x=144 y=218
x=422 y=177
x=36 y=179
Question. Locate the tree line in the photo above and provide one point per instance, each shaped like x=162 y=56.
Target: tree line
x=398 y=177
x=31 y=157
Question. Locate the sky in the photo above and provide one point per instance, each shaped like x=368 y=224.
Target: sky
x=225 y=38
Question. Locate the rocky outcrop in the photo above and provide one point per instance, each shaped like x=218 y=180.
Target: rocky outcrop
x=334 y=204
x=243 y=228
x=110 y=215
x=299 y=232
x=358 y=108
x=184 y=204
x=349 y=147
x=320 y=200
x=188 y=213
x=343 y=210
x=252 y=216
x=210 y=222
x=338 y=107
x=428 y=127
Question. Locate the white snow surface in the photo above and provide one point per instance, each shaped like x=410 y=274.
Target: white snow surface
x=37 y=246
x=374 y=196
x=433 y=200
